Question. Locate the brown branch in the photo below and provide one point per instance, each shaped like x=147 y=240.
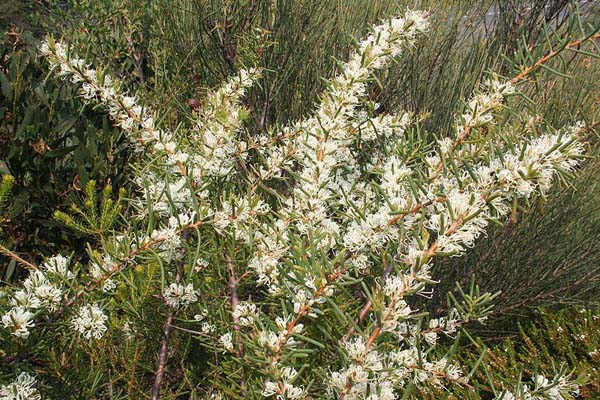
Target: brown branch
x=163 y=355
x=262 y=122
x=132 y=379
x=331 y=278
x=232 y=285
x=234 y=300
x=553 y=53
x=248 y=17
x=17 y=258
x=136 y=56
x=164 y=344
x=229 y=44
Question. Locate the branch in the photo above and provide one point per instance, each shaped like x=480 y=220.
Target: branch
x=164 y=345
x=17 y=258
x=232 y=285
x=163 y=355
x=525 y=72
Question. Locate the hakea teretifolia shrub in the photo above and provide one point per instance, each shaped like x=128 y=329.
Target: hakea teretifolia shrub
x=296 y=253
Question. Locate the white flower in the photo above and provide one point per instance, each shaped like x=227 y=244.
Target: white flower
x=128 y=331
x=178 y=295
x=90 y=321
x=270 y=389
x=201 y=264
x=49 y=296
x=19 y=320
x=22 y=388
x=293 y=392
x=246 y=313
x=58 y=265
x=207 y=328
x=202 y=316
x=169 y=242
x=227 y=341
x=506 y=395
x=269 y=340
x=98 y=271
x=356 y=348
x=40 y=292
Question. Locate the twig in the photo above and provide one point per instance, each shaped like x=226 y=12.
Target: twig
x=136 y=56
x=163 y=355
x=263 y=117
x=17 y=258
x=132 y=379
x=248 y=16
x=232 y=285
x=164 y=345
x=229 y=44
x=551 y=55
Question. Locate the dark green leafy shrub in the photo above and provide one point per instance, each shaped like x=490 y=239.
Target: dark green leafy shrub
x=52 y=146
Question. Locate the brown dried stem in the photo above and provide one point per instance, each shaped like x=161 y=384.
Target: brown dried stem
x=163 y=355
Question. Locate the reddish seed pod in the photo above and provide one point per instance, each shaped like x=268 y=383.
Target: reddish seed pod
x=194 y=104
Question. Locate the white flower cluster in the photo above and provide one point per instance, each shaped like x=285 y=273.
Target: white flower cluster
x=18 y=320
x=22 y=388
x=479 y=110
x=163 y=195
x=287 y=390
x=42 y=290
x=321 y=146
x=226 y=341
x=217 y=125
x=375 y=375
x=238 y=215
x=100 y=271
x=59 y=266
x=178 y=295
x=246 y=313
x=134 y=119
x=456 y=209
x=559 y=388
x=90 y=321
x=335 y=208
x=275 y=342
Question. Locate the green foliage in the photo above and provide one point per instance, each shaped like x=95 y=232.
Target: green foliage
x=6 y=186
x=52 y=146
x=19 y=14
x=95 y=217
x=568 y=339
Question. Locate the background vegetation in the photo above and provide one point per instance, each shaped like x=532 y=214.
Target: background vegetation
x=175 y=50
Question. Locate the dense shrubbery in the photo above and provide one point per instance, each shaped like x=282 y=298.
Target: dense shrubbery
x=52 y=146
x=568 y=338
x=182 y=290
